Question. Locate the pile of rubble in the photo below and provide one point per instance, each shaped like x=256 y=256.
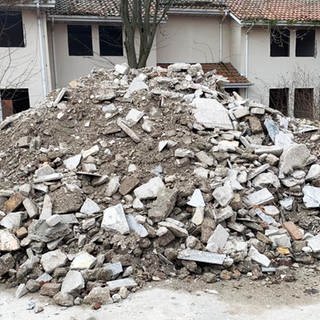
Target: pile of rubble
x=129 y=176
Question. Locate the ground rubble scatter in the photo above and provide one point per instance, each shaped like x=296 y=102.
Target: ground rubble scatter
x=130 y=176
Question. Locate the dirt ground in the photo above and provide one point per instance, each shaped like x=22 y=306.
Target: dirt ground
x=176 y=299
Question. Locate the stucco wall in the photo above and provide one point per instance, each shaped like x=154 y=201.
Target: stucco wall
x=21 y=67
x=278 y=72
x=190 y=39
x=68 y=67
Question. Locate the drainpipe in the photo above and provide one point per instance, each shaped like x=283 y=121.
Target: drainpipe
x=247 y=55
x=221 y=35
x=53 y=53
x=42 y=55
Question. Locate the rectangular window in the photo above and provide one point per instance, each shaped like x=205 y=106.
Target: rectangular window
x=303 y=103
x=279 y=42
x=278 y=99
x=80 y=40
x=305 y=43
x=111 y=41
x=14 y=101
x=11 y=29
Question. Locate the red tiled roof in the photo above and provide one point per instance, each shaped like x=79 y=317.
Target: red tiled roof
x=110 y=8
x=283 y=10
x=225 y=69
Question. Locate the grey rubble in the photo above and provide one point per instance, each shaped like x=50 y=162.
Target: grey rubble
x=138 y=175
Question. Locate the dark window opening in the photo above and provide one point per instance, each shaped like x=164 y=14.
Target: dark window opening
x=231 y=90
x=80 y=40
x=11 y=29
x=278 y=99
x=305 y=43
x=111 y=41
x=14 y=101
x=303 y=103
x=279 y=42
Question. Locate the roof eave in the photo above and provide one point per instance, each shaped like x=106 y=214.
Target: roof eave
x=190 y=11
x=237 y=85
x=71 y=18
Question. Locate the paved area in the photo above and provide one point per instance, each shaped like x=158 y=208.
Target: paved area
x=160 y=304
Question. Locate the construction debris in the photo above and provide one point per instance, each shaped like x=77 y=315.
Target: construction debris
x=128 y=176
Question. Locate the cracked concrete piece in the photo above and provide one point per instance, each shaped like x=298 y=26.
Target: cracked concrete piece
x=311 y=196
x=73 y=282
x=149 y=190
x=83 y=260
x=115 y=219
x=90 y=207
x=52 y=260
x=201 y=256
x=8 y=241
x=218 y=239
x=223 y=194
x=260 y=197
x=121 y=283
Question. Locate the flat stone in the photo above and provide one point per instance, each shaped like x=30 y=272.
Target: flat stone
x=52 y=260
x=44 y=170
x=73 y=282
x=271 y=210
x=63 y=299
x=8 y=241
x=83 y=260
x=21 y=291
x=30 y=207
x=129 y=132
x=128 y=184
x=314 y=243
x=11 y=221
x=196 y=199
x=198 y=216
x=13 y=202
x=163 y=205
x=113 y=186
x=224 y=214
x=311 y=196
x=218 y=239
x=256 y=256
x=281 y=240
x=133 y=117
x=72 y=162
x=314 y=172
x=98 y=295
x=175 y=228
x=90 y=152
x=266 y=179
x=205 y=158
x=125 y=283
x=294 y=157
x=287 y=203
x=136 y=227
x=223 y=194
x=201 y=256
x=65 y=201
x=40 y=231
x=211 y=114
x=114 y=269
x=115 y=219
x=137 y=84
x=241 y=112
x=149 y=190
x=260 y=197
x=46 y=211
x=90 y=207
x=294 y=231
x=183 y=153
x=48 y=178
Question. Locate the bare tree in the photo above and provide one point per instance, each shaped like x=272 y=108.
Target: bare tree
x=141 y=19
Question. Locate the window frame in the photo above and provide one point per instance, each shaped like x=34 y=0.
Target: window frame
x=71 y=50
x=102 y=52
x=272 y=35
x=314 y=43
x=18 y=24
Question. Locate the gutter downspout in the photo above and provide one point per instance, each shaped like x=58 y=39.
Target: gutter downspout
x=42 y=56
x=221 y=35
x=53 y=53
x=247 y=54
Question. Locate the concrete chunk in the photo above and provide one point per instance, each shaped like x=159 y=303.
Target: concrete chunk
x=211 y=114
x=11 y=220
x=136 y=227
x=121 y=283
x=201 y=256
x=83 y=260
x=223 y=194
x=314 y=172
x=73 y=282
x=260 y=197
x=46 y=211
x=196 y=199
x=52 y=260
x=115 y=219
x=149 y=190
x=30 y=207
x=256 y=256
x=8 y=241
x=311 y=196
x=314 y=243
x=218 y=239
x=89 y=207
x=72 y=162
